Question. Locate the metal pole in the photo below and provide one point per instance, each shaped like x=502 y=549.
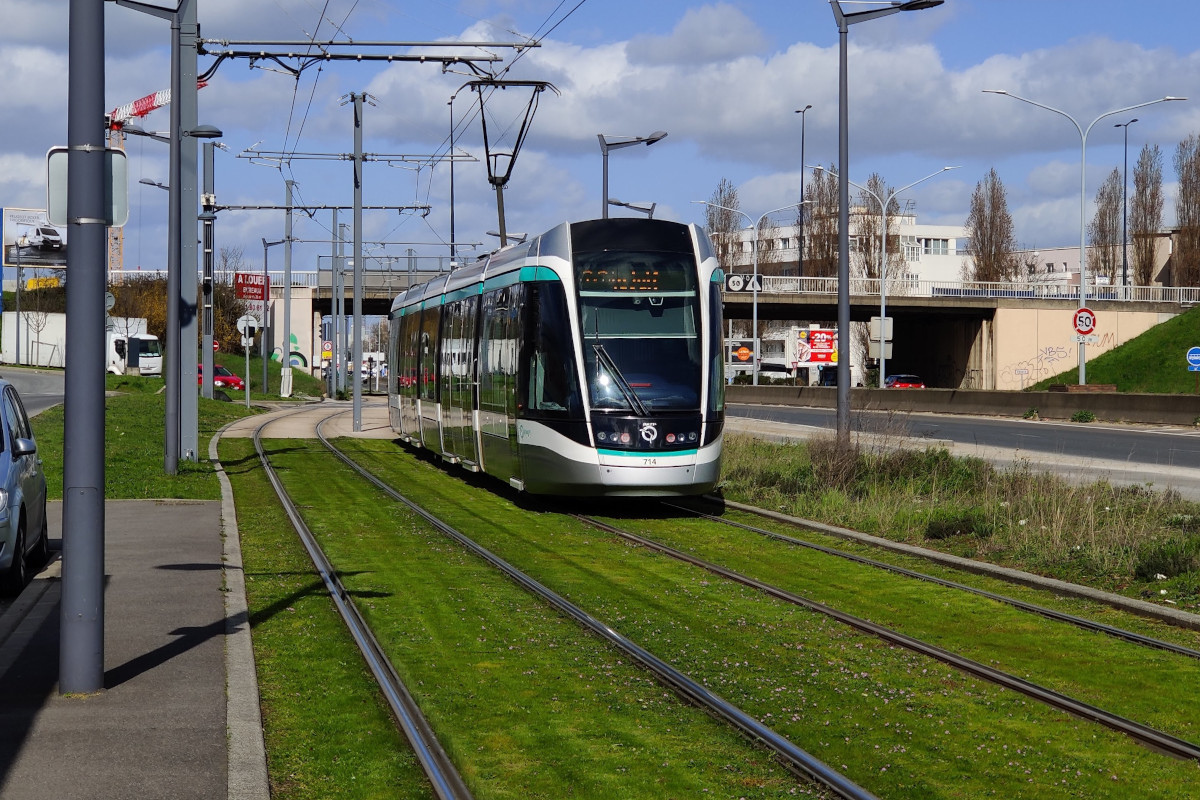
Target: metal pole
x=803 y=112
x=452 y=247
x=18 y=299
x=843 y=292
x=285 y=389
x=333 y=303
x=81 y=631
x=171 y=375
x=206 y=348
x=263 y=347
x=1125 y=211
x=189 y=333
x=604 y=182
x=343 y=344
x=358 y=257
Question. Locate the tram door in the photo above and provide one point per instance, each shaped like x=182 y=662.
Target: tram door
x=458 y=379
x=499 y=346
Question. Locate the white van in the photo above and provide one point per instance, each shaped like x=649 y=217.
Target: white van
x=149 y=357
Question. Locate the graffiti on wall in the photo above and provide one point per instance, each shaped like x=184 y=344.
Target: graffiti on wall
x=1047 y=361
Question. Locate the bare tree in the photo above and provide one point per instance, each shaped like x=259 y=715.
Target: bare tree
x=723 y=220
x=1104 y=232
x=1145 y=212
x=1185 y=259
x=868 y=226
x=990 y=231
x=769 y=254
x=821 y=253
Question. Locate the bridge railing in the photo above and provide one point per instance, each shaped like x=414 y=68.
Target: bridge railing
x=901 y=287
x=394 y=281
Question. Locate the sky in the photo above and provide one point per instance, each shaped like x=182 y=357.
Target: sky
x=724 y=79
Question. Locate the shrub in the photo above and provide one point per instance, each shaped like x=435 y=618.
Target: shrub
x=944 y=523
x=1031 y=414
x=1170 y=557
x=1083 y=415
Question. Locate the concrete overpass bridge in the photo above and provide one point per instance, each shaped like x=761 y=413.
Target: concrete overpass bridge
x=954 y=334
x=971 y=335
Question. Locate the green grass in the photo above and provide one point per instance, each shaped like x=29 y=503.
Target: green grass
x=527 y=703
x=1114 y=538
x=899 y=724
x=135 y=429
x=1153 y=362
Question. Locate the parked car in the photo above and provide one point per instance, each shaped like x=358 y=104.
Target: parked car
x=903 y=382
x=23 y=537
x=46 y=238
x=222 y=378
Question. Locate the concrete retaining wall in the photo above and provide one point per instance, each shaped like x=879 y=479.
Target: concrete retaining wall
x=1163 y=409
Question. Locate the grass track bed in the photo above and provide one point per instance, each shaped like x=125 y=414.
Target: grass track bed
x=1150 y=686
x=900 y=725
x=526 y=703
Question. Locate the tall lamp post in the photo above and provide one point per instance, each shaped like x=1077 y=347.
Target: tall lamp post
x=616 y=143
x=844 y=21
x=754 y=285
x=1083 y=134
x=648 y=210
x=1125 y=211
x=803 y=112
x=883 y=207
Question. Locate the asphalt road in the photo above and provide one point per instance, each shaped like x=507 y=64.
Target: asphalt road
x=39 y=389
x=1160 y=446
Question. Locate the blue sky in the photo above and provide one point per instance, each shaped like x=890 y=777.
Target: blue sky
x=723 y=78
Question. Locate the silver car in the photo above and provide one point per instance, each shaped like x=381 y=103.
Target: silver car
x=22 y=495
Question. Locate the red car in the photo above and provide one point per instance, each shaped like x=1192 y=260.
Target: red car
x=903 y=382
x=222 y=378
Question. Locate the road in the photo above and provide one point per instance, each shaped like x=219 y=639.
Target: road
x=1164 y=456
x=39 y=389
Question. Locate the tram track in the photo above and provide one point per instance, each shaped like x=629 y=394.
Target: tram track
x=496 y=542
x=1032 y=608
x=792 y=756
x=444 y=777
x=1144 y=734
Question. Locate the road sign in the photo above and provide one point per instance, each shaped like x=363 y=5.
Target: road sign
x=1085 y=338
x=1084 y=321
x=742 y=283
x=247 y=325
x=216 y=346
x=327 y=348
x=1193 y=359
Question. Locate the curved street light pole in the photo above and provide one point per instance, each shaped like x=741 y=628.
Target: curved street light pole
x=616 y=143
x=1083 y=134
x=883 y=206
x=803 y=112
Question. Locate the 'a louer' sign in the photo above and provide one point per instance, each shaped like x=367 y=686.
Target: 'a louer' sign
x=251 y=285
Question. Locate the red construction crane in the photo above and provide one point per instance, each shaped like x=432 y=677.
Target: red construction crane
x=115 y=122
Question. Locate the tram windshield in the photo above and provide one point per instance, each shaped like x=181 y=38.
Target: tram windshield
x=640 y=314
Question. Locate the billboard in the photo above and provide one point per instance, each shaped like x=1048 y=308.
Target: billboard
x=29 y=240
x=255 y=289
x=816 y=345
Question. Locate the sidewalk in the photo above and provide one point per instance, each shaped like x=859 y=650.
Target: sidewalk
x=160 y=728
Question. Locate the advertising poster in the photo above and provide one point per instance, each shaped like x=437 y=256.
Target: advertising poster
x=818 y=344
x=29 y=240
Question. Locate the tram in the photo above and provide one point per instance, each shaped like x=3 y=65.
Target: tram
x=584 y=362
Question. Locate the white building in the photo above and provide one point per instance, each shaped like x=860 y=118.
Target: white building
x=930 y=252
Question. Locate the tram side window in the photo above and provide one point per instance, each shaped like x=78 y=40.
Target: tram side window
x=498 y=349
x=716 y=360
x=410 y=337
x=553 y=386
x=427 y=353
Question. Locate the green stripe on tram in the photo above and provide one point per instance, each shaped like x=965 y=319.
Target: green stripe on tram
x=645 y=453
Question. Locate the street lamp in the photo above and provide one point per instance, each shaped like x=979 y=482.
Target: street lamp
x=1083 y=134
x=648 y=210
x=754 y=283
x=1125 y=211
x=844 y=21
x=149 y=182
x=803 y=112
x=883 y=206
x=616 y=143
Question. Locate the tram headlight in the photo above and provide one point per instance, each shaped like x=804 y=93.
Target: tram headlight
x=602 y=436
x=692 y=436
x=670 y=438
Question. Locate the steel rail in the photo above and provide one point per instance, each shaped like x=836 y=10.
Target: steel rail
x=1033 y=608
x=441 y=772
x=1144 y=734
x=791 y=755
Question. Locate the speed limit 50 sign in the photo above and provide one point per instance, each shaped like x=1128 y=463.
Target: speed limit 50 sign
x=1084 y=321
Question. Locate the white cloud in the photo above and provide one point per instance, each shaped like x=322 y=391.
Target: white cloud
x=705 y=35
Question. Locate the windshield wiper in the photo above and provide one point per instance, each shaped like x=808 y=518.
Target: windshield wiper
x=630 y=395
